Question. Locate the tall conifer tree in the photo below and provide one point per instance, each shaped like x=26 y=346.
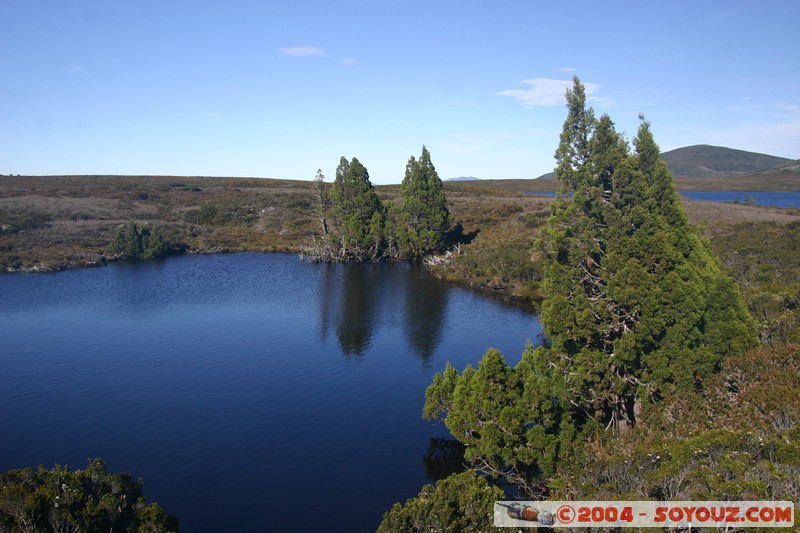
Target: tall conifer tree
x=357 y=213
x=636 y=307
x=635 y=301
x=423 y=216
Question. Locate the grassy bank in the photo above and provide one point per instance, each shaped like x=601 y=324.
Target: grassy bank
x=52 y=223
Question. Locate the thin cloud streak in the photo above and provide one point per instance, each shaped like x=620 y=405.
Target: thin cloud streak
x=303 y=51
x=786 y=106
x=549 y=92
x=316 y=51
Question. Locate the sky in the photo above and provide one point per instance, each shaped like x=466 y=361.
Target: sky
x=279 y=89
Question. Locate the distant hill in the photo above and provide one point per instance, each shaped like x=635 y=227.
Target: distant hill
x=702 y=160
x=464 y=178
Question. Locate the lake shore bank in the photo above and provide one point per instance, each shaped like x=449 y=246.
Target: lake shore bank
x=55 y=223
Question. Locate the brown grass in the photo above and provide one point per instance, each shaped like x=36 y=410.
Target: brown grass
x=66 y=221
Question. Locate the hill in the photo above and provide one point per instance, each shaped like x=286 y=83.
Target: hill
x=703 y=160
x=705 y=168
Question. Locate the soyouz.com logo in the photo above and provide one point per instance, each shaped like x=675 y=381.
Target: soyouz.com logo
x=644 y=514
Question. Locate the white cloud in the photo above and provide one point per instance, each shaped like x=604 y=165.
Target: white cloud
x=786 y=106
x=316 y=51
x=548 y=92
x=349 y=62
x=303 y=51
x=567 y=69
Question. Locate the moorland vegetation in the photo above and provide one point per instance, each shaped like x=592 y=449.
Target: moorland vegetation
x=680 y=385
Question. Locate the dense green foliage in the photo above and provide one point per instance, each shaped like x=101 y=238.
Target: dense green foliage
x=509 y=418
x=422 y=219
x=139 y=243
x=646 y=388
x=357 y=215
x=357 y=226
x=86 y=501
x=635 y=303
x=461 y=502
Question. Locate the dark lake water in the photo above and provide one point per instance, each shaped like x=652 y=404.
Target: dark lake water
x=774 y=199
x=251 y=392
x=764 y=198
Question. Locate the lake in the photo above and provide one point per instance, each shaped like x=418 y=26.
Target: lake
x=252 y=392
x=764 y=198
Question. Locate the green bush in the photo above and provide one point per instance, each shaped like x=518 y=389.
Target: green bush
x=140 y=243
x=92 y=501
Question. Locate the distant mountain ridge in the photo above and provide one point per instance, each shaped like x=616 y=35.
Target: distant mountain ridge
x=706 y=161
x=703 y=160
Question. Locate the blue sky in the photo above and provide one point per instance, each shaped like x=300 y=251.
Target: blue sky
x=280 y=89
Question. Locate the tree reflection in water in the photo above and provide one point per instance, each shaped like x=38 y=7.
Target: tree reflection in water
x=444 y=457
x=361 y=287
x=356 y=298
x=426 y=304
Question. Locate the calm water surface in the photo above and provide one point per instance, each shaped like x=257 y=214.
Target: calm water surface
x=251 y=392
x=765 y=198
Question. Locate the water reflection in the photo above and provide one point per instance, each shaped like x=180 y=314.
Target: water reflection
x=243 y=329
x=444 y=457
x=357 y=299
x=361 y=290
x=426 y=306
x=328 y=295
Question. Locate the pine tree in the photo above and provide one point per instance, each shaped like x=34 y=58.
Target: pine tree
x=635 y=301
x=133 y=241
x=636 y=308
x=357 y=213
x=139 y=243
x=154 y=245
x=423 y=217
x=323 y=202
x=506 y=417
x=573 y=153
